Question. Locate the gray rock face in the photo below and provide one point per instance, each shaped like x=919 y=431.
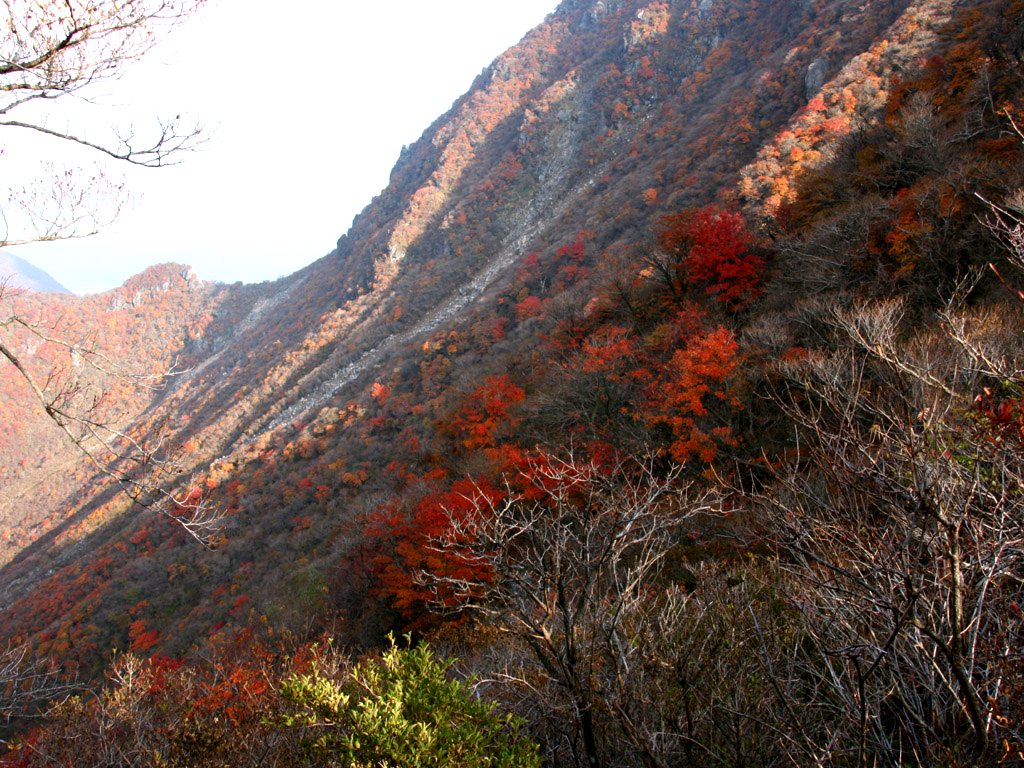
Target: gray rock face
x=815 y=77
x=598 y=11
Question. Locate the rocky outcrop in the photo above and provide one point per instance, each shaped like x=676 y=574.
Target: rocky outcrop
x=816 y=77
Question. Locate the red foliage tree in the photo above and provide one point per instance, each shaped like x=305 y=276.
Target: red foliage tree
x=141 y=638
x=713 y=247
x=720 y=259
x=682 y=395
x=413 y=548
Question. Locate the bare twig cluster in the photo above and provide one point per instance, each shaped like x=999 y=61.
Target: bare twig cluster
x=51 y=50
x=903 y=519
x=58 y=49
x=566 y=564
x=26 y=682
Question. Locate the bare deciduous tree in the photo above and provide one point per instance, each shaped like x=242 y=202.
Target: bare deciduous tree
x=77 y=399
x=27 y=681
x=58 y=49
x=903 y=518
x=568 y=565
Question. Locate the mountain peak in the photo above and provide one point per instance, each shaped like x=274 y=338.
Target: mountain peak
x=161 y=276
x=19 y=273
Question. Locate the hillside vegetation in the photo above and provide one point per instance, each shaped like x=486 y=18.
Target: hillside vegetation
x=673 y=385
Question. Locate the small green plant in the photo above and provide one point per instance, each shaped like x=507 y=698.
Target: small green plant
x=402 y=711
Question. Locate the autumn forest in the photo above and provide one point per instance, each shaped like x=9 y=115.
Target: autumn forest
x=665 y=409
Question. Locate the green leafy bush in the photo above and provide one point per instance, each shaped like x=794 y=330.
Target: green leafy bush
x=402 y=710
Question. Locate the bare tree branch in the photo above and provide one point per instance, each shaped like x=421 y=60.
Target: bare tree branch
x=567 y=564
x=903 y=518
x=52 y=49
x=27 y=682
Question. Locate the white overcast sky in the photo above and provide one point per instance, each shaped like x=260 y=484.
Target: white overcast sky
x=307 y=105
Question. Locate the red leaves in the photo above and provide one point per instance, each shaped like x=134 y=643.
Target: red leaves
x=713 y=247
x=529 y=307
x=1002 y=417
x=381 y=393
x=409 y=545
x=142 y=639
x=674 y=232
x=540 y=276
x=607 y=349
x=720 y=260
x=676 y=379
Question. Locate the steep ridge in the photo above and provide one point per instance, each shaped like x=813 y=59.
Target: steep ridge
x=309 y=403
x=563 y=133
x=524 y=120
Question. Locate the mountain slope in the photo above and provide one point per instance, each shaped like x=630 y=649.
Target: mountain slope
x=604 y=117
x=508 y=289
x=136 y=331
x=20 y=274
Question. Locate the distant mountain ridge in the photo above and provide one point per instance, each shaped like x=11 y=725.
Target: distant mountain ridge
x=21 y=274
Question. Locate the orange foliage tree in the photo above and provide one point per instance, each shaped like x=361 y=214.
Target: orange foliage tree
x=487 y=412
x=682 y=395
